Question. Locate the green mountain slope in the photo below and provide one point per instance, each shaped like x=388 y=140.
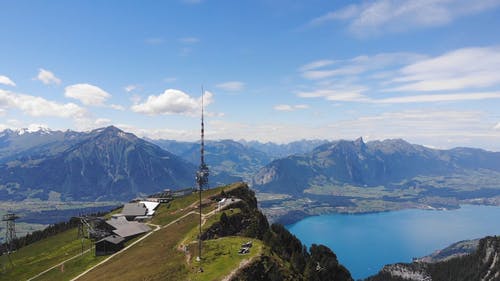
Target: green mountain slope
x=483 y=264
x=169 y=251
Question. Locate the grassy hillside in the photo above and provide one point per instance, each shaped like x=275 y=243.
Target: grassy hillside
x=169 y=252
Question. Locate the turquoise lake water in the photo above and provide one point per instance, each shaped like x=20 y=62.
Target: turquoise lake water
x=365 y=243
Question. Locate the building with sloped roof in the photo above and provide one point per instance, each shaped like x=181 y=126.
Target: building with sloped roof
x=109 y=245
x=127 y=229
x=132 y=210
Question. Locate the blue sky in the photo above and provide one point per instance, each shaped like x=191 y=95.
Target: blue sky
x=273 y=70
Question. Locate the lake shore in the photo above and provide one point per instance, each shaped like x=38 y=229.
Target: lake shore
x=287 y=211
x=364 y=243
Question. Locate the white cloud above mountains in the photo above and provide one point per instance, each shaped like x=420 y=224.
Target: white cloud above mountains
x=87 y=94
x=172 y=101
x=47 y=77
x=6 y=81
x=463 y=68
x=231 y=86
x=287 y=107
x=318 y=70
x=380 y=16
x=130 y=88
x=391 y=78
x=39 y=107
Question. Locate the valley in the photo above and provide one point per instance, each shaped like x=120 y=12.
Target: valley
x=292 y=181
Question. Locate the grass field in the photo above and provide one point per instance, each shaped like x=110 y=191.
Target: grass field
x=220 y=257
x=154 y=258
x=71 y=268
x=157 y=257
x=37 y=257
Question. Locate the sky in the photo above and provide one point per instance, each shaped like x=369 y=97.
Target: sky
x=425 y=71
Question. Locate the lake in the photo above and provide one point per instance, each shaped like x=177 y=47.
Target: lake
x=364 y=243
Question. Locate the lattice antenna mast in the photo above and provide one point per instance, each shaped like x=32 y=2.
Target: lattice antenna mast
x=203 y=172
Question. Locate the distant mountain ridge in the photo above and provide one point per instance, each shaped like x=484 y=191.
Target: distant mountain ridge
x=30 y=142
x=376 y=163
x=223 y=156
x=109 y=163
x=277 y=151
x=104 y=164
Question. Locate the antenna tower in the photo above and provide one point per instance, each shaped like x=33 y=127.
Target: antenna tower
x=203 y=172
x=10 y=235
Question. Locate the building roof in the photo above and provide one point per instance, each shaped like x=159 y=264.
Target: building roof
x=117 y=221
x=114 y=239
x=134 y=209
x=125 y=228
x=132 y=229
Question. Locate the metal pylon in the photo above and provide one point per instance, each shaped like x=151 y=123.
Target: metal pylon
x=10 y=234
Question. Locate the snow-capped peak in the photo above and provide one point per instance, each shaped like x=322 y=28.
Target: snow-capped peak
x=34 y=128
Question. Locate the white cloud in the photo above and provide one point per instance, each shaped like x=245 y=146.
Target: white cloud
x=231 y=86
x=458 y=69
x=440 y=98
x=361 y=64
x=117 y=107
x=38 y=107
x=87 y=94
x=130 y=88
x=172 y=102
x=6 y=81
x=316 y=64
x=347 y=93
x=135 y=99
x=439 y=128
x=392 y=78
x=287 y=107
x=47 y=77
x=345 y=96
x=163 y=133
x=189 y=40
x=378 y=16
x=102 y=122
x=497 y=127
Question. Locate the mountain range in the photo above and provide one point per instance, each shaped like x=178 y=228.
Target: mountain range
x=223 y=157
x=104 y=164
x=390 y=163
x=110 y=164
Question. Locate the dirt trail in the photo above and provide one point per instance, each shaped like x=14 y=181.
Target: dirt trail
x=243 y=263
